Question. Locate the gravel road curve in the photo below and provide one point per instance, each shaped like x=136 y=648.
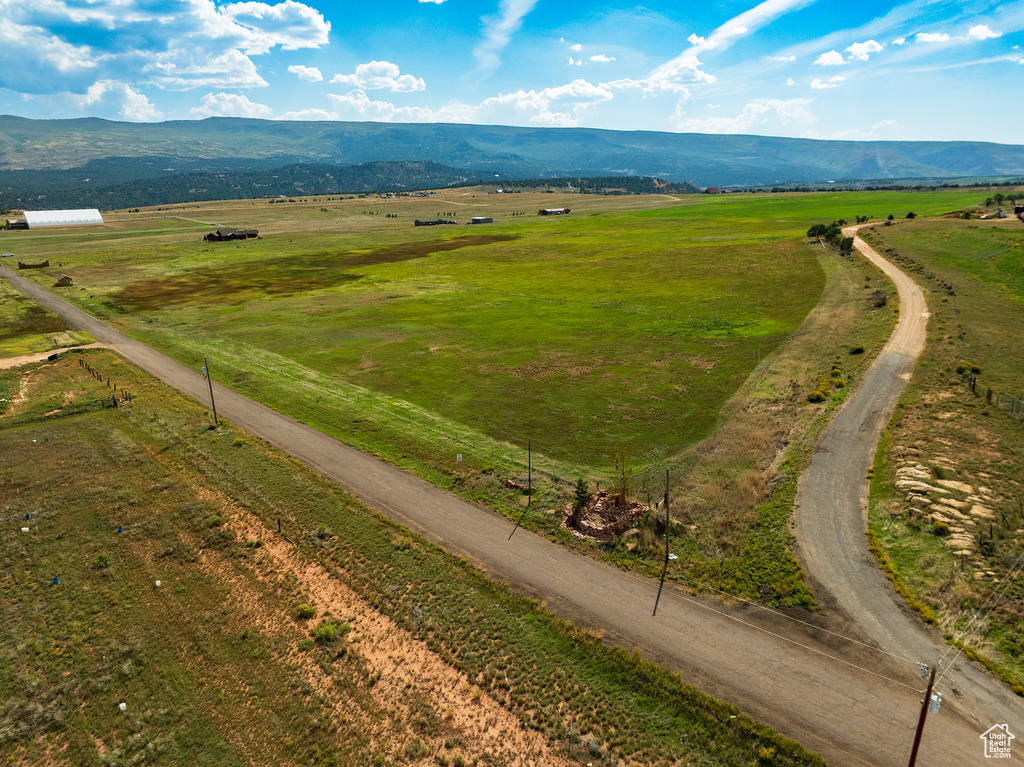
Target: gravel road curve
x=852 y=704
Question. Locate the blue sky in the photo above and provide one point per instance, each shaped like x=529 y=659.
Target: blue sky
x=923 y=70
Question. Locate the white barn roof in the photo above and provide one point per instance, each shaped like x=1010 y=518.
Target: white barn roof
x=38 y=218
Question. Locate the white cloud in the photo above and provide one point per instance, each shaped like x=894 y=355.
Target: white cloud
x=435 y=2
x=356 y=105
x=601 y=58
x=782 y=58
x=182 y=45
x=900 y=41
x=789 y=81
x=833 y=82
x=982 y=32
x=576 y=47
x=861 y=51
x=575 y=62
x=289 y=24
x=757 y=113
x=309 y=74
x=886 y=129
x=130 y=104
x=830 y=59
x=498 y=30
x=932 y=37
x=198 y=69
x=686 y=67
x=308 y=114
x=229 y=105
x=746 y=23
x=381 y=75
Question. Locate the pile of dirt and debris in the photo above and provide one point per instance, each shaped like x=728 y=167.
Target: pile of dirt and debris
x=604 y=518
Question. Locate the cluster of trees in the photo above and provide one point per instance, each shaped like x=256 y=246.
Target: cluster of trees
x=66 y=189
x=998 y=198
x=833 y=235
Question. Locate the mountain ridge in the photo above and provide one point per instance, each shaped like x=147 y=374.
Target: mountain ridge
x=514 y=152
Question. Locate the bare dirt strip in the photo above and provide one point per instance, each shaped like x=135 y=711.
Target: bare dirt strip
x=850 y=703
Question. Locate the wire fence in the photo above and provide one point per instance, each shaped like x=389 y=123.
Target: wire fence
x=1011 y=405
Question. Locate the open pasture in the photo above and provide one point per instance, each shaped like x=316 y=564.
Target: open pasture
x=622 y=328
x=588 y=335
x=626 y=333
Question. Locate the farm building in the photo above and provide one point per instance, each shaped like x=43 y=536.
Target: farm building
x=38 y=219
x=41 y=265
x=481 y=220
x=64 y=281
x=223 y=235
x=554 y=211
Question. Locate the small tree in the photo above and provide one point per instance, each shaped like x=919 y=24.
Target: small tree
x=891 y=217
x=581 y=496
x=911 y=214
x=623 y=481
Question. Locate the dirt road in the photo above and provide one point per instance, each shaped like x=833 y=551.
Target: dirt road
x=851 y=704
x=831 y=516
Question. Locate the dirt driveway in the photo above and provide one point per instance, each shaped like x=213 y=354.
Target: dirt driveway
x=850 y=703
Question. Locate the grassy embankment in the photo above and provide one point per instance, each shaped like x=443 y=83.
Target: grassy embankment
x=216 y=665
x=610 y=332
x=955 y=547
x=26 y=328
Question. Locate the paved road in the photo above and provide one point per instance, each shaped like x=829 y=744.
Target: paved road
x=849 y=703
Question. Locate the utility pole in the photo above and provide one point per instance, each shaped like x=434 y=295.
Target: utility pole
x=664 y=570
x=920 y=722
x=667 y=520
x=209 y=380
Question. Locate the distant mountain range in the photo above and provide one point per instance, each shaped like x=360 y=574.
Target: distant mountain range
x=211 y=148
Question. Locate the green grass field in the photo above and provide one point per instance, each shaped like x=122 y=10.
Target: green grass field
x=215 y=665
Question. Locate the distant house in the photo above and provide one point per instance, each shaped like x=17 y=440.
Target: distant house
x=711 y=190
x=554 y=212
x=481 y=220
x=37 y=219
x=64 y=281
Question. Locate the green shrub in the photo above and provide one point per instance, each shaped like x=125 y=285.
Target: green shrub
x=838 y=383
x=328 y=631
x=239 y=441
x=306 y=612
x=817 y=396
x=857 y=350
x=940 y=528
x=976 y=370
x=214 y=521
x=325 y=633
x=101 y=561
